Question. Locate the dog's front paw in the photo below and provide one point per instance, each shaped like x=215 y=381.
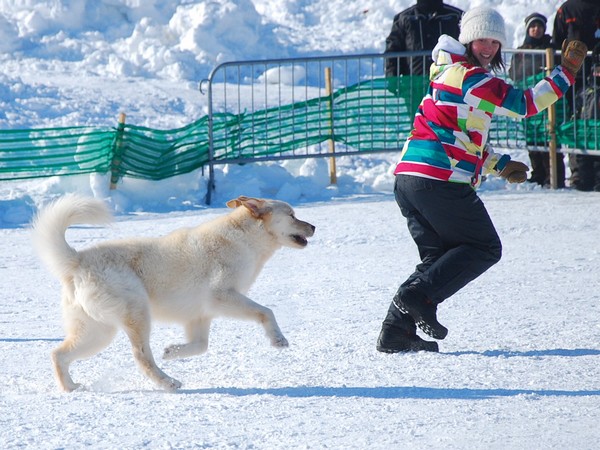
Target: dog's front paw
x=170 y=384
x=280 y=342
x=71 y=387
x=171 y=352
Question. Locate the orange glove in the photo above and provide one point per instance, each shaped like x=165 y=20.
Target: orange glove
x=573 y=54
x=514 y=172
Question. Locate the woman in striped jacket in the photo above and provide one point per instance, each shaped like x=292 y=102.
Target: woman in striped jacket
x=442 y=163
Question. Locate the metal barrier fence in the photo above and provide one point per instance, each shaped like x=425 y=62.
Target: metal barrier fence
x=308 y=107
x=243 y=88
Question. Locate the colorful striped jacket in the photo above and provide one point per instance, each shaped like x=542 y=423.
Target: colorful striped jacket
x=450 y=130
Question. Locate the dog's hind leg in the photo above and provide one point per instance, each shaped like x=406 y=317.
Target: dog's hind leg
x=197 y=334
x=85 y=337
x=137 y=328
x=234 y=304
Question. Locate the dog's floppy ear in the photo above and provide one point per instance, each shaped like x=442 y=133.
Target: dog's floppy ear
x=237 y=202
x=256 y=206
x=234 y=203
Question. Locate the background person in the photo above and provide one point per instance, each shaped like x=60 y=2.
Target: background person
x=580 y=20
x=588 y=108
x=417 y=28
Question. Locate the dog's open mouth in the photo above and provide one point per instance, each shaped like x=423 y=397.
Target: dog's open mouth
x=300 y=240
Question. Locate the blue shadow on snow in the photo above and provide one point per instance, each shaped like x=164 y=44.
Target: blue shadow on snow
x=414 y=392
x=572 y=352
x=31 y=340
x=390 y=392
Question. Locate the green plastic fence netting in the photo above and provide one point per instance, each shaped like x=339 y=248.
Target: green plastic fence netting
x=141 y=152
x=372 y=116
x=581 y=134
x=364 y=117
x=54 y=151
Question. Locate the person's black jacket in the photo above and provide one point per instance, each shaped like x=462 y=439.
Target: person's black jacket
x=589 y=99
x=418 y=28
x=577 y=19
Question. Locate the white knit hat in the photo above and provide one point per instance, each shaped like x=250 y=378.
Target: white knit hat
x=482 y=23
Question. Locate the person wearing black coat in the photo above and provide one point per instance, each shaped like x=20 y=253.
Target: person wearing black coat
x=580 y=20
x=522 y=67
x=417 y=28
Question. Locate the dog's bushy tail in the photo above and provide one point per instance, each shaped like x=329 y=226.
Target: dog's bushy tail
x=51 y=223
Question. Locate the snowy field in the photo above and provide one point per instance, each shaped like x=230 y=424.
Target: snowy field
x=520 y=368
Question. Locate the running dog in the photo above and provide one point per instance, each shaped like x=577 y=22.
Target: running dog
x=189 y=276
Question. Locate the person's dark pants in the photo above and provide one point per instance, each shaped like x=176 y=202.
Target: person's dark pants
x=455 y=237
x=540 y=168
x=586 y=173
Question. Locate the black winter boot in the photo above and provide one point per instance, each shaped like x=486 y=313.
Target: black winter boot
x=422 y=310
x=396 y=342
x=399 y=334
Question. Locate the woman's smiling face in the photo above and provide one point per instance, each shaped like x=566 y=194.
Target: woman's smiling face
x=485 y=50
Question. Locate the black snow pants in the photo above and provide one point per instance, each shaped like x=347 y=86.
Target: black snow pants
x=455 y=237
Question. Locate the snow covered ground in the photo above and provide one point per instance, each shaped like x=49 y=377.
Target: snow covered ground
x=520 y=367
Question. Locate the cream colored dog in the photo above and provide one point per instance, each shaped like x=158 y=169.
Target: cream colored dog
x=189 y=276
